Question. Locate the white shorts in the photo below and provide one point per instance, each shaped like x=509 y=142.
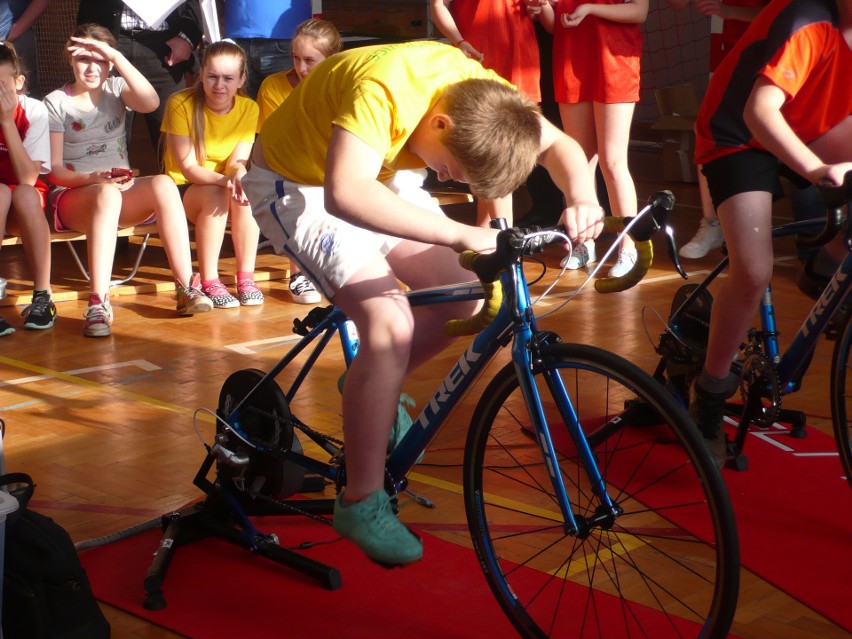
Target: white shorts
x=326 y=249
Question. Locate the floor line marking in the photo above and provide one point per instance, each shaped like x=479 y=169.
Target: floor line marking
x=246 y=348
x=140 y=363
x=109 y=390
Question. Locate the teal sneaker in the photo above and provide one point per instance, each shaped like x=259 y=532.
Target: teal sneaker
x=401 y=424
x=374 y=528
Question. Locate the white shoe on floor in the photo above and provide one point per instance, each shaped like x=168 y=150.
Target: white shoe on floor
x=708 y=237
x=302 y=290
x=626 y=260
x=581 y=255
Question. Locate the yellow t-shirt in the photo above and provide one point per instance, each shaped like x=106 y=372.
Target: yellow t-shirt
x=378 y=93
x=222 y=133
x=273 y=91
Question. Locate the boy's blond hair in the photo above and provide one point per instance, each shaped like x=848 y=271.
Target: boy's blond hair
x=495 y=136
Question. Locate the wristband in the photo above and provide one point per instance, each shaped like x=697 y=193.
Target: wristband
x=458 y=44
x=182 y=35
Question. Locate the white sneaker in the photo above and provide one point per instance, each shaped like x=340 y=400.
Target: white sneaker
x=581 y=255
x=626 y=260
x=708 y=237
x=302 y=290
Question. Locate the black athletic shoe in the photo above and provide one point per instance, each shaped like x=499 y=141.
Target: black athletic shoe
x=6 y=328
x=41 y=314
x=707 y=410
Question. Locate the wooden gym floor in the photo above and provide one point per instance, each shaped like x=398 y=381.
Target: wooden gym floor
x=105 y=426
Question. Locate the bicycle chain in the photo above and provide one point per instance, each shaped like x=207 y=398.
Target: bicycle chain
x=760 y=376
x=296 y=423
x=289 y=506
x=307 y=430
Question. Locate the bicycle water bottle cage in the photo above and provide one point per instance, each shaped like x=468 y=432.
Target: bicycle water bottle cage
x=312 y=320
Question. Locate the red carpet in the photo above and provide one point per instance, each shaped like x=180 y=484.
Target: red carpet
x=794 y=511
x=793 y=507
x=216 y=590
x=794 y=515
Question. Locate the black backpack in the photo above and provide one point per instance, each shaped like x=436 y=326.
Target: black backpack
x=46 y=593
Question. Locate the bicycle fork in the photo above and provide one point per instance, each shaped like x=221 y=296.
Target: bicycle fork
x=606 y=512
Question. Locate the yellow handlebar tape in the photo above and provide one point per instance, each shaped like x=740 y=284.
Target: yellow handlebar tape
x=645 y=255
x=493 y=299
x=494 y=291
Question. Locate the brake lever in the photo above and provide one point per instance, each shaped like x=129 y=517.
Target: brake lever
x=672 y=250
x=662 y=205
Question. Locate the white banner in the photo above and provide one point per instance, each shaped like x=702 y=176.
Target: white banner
x=153 y=12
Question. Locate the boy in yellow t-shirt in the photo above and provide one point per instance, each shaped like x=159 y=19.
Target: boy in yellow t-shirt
x=324 y=189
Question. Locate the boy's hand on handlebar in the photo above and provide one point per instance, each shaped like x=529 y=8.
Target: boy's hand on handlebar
x=583 y=221
x=476 y=238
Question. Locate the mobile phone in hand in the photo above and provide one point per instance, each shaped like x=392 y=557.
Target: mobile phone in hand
x=120 y=173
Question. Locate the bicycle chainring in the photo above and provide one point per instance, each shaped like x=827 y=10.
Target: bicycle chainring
x=266 y=422
x=760 y=389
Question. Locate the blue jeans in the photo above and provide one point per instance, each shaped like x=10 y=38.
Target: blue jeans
x=265 y=57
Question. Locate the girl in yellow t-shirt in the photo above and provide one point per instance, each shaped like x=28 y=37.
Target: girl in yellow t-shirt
x=209 y=131
x=313 y=41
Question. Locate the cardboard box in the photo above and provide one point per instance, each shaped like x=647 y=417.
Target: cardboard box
x=404 y=19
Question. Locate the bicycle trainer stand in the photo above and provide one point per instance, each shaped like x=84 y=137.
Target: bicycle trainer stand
x=224 y=513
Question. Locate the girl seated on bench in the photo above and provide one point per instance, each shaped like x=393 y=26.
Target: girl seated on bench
x=95 y=192
x=24 y=157
x=209 y=133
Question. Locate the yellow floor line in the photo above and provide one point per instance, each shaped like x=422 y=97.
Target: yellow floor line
x=568 y=571
x=493 y=499
x=109 y=390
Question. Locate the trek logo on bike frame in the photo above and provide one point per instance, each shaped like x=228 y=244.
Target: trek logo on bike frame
x=831 y=288
x=448 y=385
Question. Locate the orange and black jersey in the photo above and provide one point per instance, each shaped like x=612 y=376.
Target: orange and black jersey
x=795 y=44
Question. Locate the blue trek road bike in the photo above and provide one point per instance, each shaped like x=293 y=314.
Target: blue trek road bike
x=766 y=373
x=593 y=506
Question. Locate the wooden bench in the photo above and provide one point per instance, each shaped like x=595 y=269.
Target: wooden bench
x=69 y=237
x=145 y=231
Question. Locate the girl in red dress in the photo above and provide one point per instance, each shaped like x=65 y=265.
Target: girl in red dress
x=596 y=51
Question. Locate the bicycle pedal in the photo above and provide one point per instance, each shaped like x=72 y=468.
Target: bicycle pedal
x=313 y=484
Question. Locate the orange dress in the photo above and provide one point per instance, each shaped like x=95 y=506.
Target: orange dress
x=502 y=30
x=596 y=61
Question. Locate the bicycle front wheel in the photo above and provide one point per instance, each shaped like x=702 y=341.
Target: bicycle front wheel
x=841 y=398
x=667 y=566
